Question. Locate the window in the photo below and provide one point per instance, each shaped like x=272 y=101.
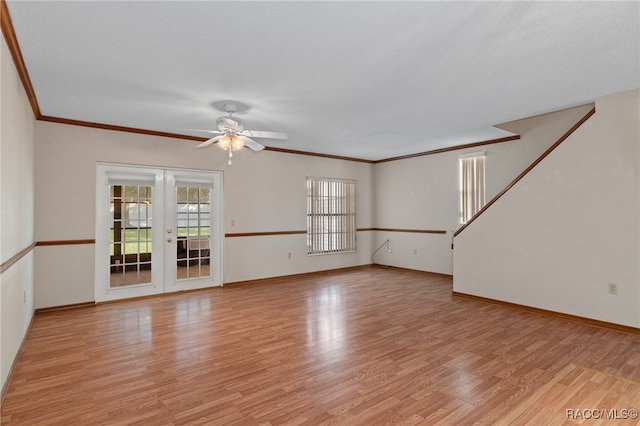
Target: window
x=331 y=215
x=193 y=211
x=472 y=192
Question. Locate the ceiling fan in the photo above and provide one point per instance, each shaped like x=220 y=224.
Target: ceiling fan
x=232 y=134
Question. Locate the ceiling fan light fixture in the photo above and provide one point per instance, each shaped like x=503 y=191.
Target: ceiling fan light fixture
x=224 y=142
x=236 y=143
x=230 y=142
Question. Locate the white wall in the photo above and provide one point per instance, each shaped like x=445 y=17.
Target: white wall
x=17 y=126
x=263 y=192
x=269 y=194
x=416 y=193
x=569 y=227
x=423 y=192
x=506 y=161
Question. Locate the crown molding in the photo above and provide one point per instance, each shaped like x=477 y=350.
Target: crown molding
x=12 y=41
x=448 y=149
x=116 y=128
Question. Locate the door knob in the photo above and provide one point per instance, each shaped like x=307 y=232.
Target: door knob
x=169 y=240
x=169 y=231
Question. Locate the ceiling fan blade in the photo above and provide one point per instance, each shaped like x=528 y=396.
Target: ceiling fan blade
x=264 y=134
x=209 y=142
x=251 y=143
x=215 y=132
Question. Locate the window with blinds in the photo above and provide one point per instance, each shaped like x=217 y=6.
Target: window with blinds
x=472 y=192
x=331 y=215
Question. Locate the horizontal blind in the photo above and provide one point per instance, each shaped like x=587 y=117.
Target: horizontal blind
x=131 y=179
x=331 y=215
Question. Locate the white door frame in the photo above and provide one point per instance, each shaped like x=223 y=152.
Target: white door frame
x=209 y=179
x=163 y=279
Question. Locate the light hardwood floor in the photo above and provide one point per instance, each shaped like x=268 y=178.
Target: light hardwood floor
x=364 y=346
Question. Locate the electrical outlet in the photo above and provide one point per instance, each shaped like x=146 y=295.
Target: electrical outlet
x=233 y=222
x=389 y=246
x=613 y=288
x=415 y=251
x=289 y=255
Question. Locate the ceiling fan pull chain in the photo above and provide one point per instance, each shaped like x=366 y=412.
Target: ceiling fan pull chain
x=230 y=153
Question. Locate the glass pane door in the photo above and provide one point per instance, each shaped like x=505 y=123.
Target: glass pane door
x=157 y=230
x=193 y=226
x=193 y=217
x=130 y=235
x=129 y=218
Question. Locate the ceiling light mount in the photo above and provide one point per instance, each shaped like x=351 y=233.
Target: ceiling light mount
x=230 y=106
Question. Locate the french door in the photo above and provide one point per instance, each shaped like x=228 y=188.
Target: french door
x=158 y=230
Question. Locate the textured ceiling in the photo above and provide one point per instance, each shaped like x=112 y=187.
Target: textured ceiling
x=370 y=80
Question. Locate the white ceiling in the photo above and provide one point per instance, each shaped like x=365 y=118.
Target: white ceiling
x=370 y=80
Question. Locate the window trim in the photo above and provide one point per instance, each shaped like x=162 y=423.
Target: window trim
x=331 y=215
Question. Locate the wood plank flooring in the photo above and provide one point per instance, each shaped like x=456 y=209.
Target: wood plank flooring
x=370 y=346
